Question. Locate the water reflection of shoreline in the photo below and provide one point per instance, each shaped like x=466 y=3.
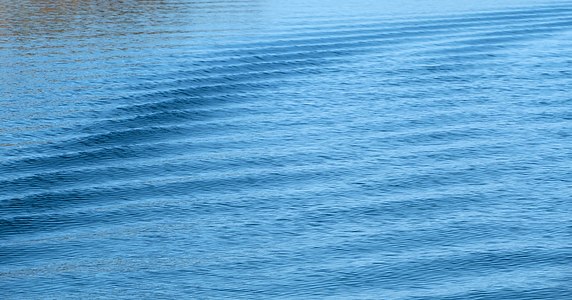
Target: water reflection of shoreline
x=35 y=18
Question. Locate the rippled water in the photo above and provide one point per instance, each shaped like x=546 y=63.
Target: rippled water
x=285 y=149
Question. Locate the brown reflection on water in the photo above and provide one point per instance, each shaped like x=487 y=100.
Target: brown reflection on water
x=53 y=17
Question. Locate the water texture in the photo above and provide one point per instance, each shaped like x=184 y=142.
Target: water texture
x=268 y=149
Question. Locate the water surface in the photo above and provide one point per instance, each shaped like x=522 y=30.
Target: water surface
x=270 y=150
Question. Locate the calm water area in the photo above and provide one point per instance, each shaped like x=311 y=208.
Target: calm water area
x=265 y=149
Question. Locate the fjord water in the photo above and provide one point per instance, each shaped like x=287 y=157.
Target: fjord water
x=285 y=149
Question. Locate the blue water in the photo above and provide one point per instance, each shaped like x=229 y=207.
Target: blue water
x=265 y=149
